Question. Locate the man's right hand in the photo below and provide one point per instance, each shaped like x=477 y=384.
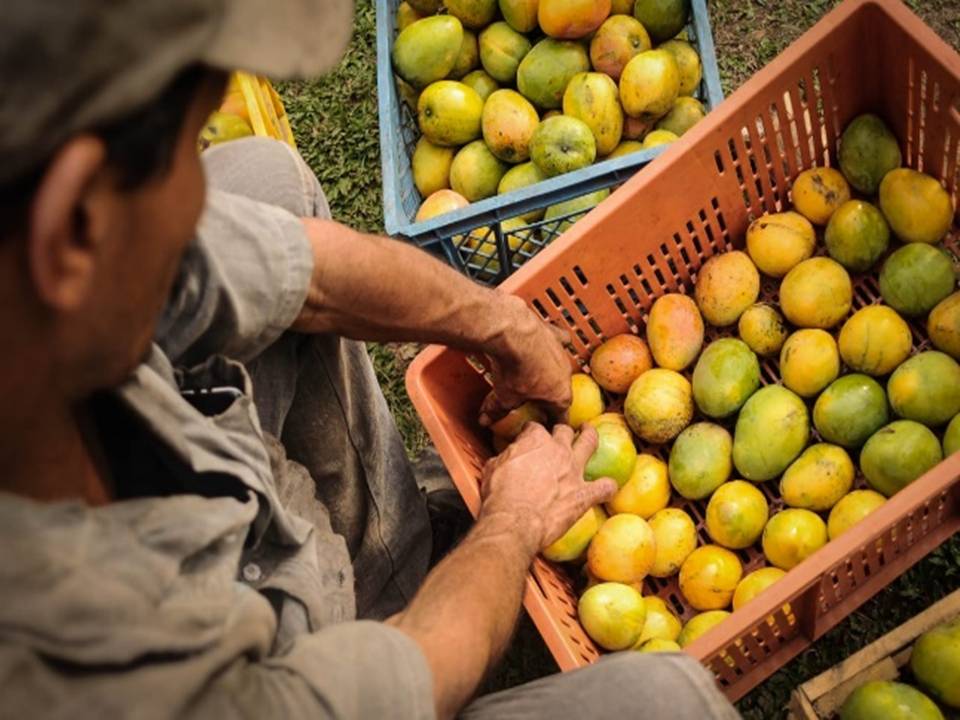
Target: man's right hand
x=539 y=481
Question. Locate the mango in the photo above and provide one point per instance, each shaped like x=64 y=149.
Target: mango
x=850 y=410
x=627 y=147
x=874 y=340
x=508 y=123
x=675 y=537
x=736 y=515
x=468 y=59
x=547 y=69
x=817 y=293
x=649 y=84
x=685 y=113
x=502 y=49
x=573 y=209
x=916 y=206
x=613 y=615
x=709 y=577
x=762 y=328
x=614 y=457
x=656 y=138
x=623 y=550
x=857 y=235
x=472 y=13
x=431 y=167
x=951 y=436
x=659 y=405
x=222 y=127
x=935 y=662
x=427 y=50
x=572 y=545
x=926 y=388
x=674 y=331
x=621 y=7
x=772 y=430
x=406 y=16
x=662 y=623
x=449 y=113
x=481 y=82
x=658 y=645
x=898 y=454
x=425 y=7
x=727 y=284
x=646 y=492
x=617 y=42
x=915 y=278
x=521 y=15
x=780 y=241
x=726 y=374
x=818 y=478
x=521 y=176
x=561 y=145
x=699 y=625
x=700 y=460
x=476 y=172
x=408 y=93
x=571 y=19
x=619 y=361
x=511 y=424
x=594 y=99
x=809 y=361
x=636 y=128
x=793 y=535
x=586 y=400
x=691 y=73
x=851 y=509
x=868 y=151
x=943 y=325
x=664 y=19
x=890 y=701
x=755 y=583
x=439 y=203
x=818 y=192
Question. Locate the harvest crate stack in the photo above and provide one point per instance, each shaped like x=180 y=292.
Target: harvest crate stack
x=653 y=236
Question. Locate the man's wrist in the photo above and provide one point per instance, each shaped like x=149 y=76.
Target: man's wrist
x=524 y=526
x=515 y=331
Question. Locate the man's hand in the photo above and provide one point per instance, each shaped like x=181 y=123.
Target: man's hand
x=528 y=363
x=539 y=481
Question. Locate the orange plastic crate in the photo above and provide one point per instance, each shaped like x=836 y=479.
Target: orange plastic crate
x=651 y=236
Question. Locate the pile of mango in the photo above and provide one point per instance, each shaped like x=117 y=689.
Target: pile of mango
x=510 y=93
x=761 y=432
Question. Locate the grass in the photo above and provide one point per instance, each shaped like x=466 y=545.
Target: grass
x=335 y=122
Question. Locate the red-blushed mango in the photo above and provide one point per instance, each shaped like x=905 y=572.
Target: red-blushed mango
x=501 y=50
x=818 y=192
x=817 y=293
x=431 y=167
x=586 y=400
x=726 y=374
x=762 y=328
x=685 y=113
x=648 y=489
x=772 y=430
x=472 y=13
x=511 y=424
x=427 y=50
x=874 y=340
x=926 y=388
x=547 y=69
x=617 y=42
x=709 y=577
x=520 y=14
x=736 y=515
x=700 y=460
x=778 y=242
x=675 y=536
x=594 y=99
x=851 y=509
x=449 y=113
x=691 y=72
x=623 y=550
x=659 y=405
x=699 y=624
x=809 y=361
x=612 y=614
x=943 y=326
x=818 y=478
x=636 y=128
x=727 y=284
x=793 y=535
x=572 y=545
x=476 y=172
x=898 y=454
x=571 y=19
x=439 y=203
x=619 y=361
x=649 y=84
x=916 y=206
x=508 y=123
x=675 y=331
x=755 y=583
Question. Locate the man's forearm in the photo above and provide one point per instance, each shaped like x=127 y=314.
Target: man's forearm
x=464 y=614
x=373 y=288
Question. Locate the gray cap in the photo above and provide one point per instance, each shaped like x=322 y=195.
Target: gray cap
x=71 y=65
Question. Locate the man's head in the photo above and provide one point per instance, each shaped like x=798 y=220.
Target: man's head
x=101 y=185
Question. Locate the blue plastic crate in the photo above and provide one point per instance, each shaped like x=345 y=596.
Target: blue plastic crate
x=471 y=239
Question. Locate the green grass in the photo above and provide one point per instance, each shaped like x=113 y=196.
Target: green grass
x=335 y=122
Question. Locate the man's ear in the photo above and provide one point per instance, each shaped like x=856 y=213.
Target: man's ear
x=64 y=224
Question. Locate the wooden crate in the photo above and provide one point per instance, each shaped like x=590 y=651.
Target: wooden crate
x=821 y=697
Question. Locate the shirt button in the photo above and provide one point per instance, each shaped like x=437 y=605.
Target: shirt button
x=251 y=572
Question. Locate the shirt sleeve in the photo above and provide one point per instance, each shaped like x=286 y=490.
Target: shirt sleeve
x=241 y=284
x=352 y=670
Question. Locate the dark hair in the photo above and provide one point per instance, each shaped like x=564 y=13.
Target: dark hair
x=139 y=147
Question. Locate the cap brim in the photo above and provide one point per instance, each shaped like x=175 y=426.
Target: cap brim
x=282 y=40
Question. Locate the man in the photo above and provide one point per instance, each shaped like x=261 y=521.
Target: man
x=164 y=555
